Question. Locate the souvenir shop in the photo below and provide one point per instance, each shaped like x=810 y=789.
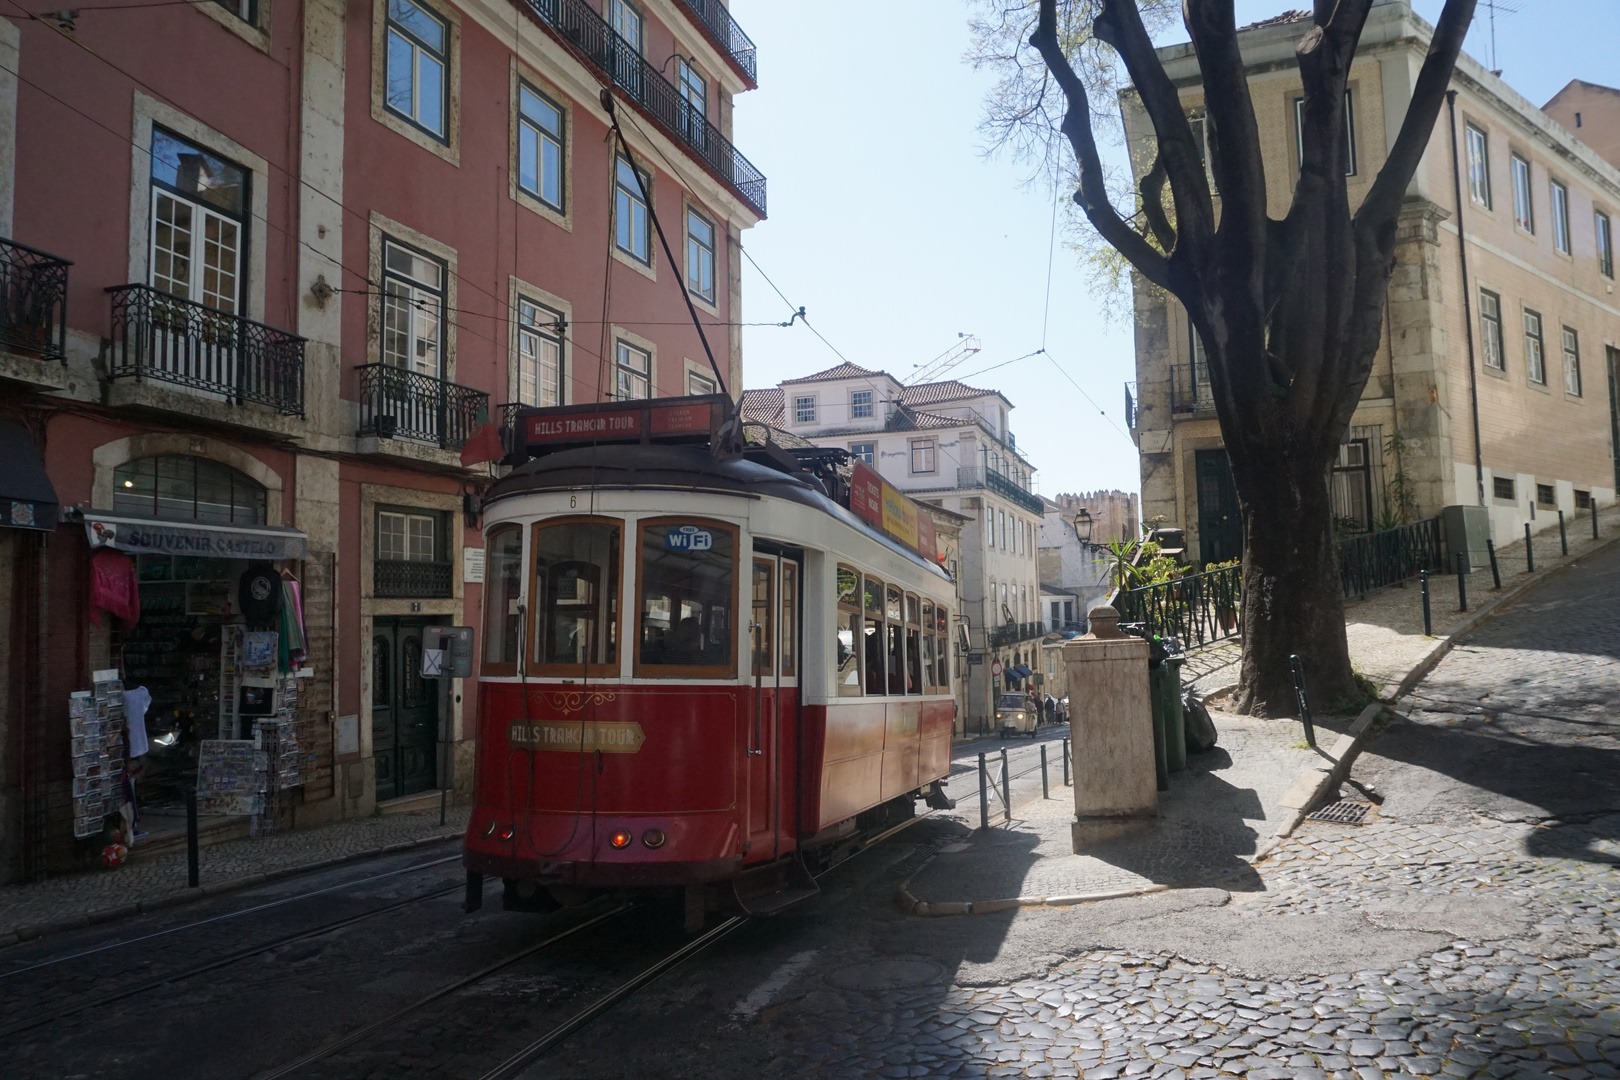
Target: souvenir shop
x=205 y=635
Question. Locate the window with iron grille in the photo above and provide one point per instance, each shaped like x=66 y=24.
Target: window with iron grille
x=1490 y=329
x=1502 y=487
x=1545 y=495
x=418 y=66
x=412 y=552
x=1583 y=500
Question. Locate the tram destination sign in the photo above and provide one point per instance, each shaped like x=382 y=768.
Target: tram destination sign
x=563 y=736
x=677 y=420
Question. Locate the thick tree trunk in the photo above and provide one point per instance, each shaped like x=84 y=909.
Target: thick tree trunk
x=1291 y=594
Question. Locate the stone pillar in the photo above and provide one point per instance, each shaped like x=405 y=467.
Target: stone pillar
x=1111 y=731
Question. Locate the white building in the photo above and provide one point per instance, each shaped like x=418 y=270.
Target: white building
x=948 y=444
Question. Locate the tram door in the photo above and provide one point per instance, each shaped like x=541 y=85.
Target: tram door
x=773 y=633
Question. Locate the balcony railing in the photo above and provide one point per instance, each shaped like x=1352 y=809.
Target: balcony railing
x=397 y=403
x=727 y=34
x=1012 y=633
x=33 y=301
x=208 y=351
x=612 y=55
x=400 y=577
x=979 y=476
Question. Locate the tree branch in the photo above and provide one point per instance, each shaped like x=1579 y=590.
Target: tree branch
x=1383 y=202
x=1151 y=191
x=1239 y=168
x=1093 y=194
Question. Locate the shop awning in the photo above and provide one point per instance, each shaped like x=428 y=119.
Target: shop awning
x=1022 y=672
x=27 y=499
x=153 y=536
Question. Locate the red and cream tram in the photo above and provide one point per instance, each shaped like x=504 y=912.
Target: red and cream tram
x=704 y=666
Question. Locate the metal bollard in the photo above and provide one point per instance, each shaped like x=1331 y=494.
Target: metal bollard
x=1046 y=789
x=1462 y=582
x=192 y=874
x=1593 y=505
x=1529 y=551
x=1563 y=537
x=1006 y=790
x=1065 y=761
x=1423 y=583
x=1304 y=702
x=444 y=795
x=984 y=795
x=1496 y=574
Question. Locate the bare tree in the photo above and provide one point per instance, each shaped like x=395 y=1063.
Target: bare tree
x=1290 y=311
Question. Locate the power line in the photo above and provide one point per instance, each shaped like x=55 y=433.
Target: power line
x=1100 y=410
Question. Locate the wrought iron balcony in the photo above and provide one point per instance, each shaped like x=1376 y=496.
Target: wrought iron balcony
x=1012 y=633
x=33 y=301
x=576 y=23
x=398 y=403
x=713 y=16
x=215 y=353
x=979 y=476
x=401 y=577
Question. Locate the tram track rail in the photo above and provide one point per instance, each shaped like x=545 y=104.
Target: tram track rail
x=124 y=993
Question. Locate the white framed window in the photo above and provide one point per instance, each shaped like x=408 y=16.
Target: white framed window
x=199 y=216
x=804 y=409
x=540 y=147
x=1479 y=165
x=413 y=303
x=865 y=452
x=1523 y=211
x=699 y=255
x=1349 y=133
x=632 y=228
x=418 y=66
x=694 y=91
x=860 y=405
x=626 y=22
x=1490 y=330
x=1572 y=361
x=1604 y=229
x=407 y=537
x=1535 y=357
x=699 y=384
x=539 y=355
x=924 y=456
x=1559 y=199
x=634 y=370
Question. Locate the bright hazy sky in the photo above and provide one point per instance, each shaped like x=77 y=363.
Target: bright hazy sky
x=895 y=232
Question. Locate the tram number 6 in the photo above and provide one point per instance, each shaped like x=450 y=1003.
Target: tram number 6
x=573 y=501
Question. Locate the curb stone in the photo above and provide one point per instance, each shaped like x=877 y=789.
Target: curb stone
x=187 y=895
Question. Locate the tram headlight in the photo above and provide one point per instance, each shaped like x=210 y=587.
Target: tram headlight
x=489 y=830
x=621 y=839
x=653 y=838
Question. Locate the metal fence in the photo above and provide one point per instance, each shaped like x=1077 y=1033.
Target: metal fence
x=401 y=577
x=395 y=402
x=617 y=59
x=158 y=336
x=1197 y=609
x=739 y=45
x=33 y=301
x=1373 y=561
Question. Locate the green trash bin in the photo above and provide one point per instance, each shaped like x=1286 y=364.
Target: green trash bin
x=1175 y=721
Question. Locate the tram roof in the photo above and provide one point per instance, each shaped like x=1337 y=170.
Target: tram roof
x=633 y=466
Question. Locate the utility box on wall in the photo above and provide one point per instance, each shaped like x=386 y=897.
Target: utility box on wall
x=1467 y=529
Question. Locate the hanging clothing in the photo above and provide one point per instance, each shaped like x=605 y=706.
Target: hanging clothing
x=259 y=595
x=291 y=653
x=136 y=702
x=113 y=588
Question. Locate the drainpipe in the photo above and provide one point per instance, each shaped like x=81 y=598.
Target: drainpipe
x=1468 y=315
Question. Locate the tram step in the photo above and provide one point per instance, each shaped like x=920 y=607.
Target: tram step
x=766 y=890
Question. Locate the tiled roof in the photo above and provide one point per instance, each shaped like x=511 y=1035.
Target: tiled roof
x=932 y=393
x=1278 y=20
x=926 y=421
x=763 y=406
x=845 y=370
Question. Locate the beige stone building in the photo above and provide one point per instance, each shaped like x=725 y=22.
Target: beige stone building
x=1533 y=335
x=1115 y=515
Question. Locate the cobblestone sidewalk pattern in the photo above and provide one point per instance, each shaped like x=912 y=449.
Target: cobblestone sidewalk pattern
x=149 y=881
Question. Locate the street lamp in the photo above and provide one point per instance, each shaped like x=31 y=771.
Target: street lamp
x=1082 y=526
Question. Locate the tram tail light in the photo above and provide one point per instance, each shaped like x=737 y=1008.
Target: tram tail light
x=620 y=839
x=507 y=833
x=653 y=838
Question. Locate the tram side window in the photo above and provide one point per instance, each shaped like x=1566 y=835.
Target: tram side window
x=876 y=679
x=914 y=675
x=503 y=581
x=576 y=567
x=686 y=596
x=942 y=658
x=759 y=631
x=848 y=632
x=928 y=645
x=893 y=609
x=788 y=629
